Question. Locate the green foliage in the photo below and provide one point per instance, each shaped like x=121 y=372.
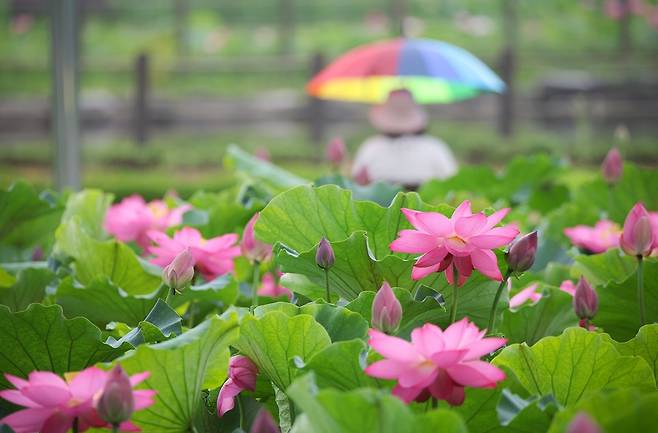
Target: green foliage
x=273 y=340
x=40 y=338
x=180 y=368
x=552 y=314
x=572 y=366
x=28 y=288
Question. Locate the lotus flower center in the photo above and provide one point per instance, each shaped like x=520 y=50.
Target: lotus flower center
x=158 y=211
x=457 y=241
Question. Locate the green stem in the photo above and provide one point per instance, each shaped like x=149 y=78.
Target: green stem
x=242 y=414
x=254 y=286
x=435 y=403
x=74 y=427
x=170 y=294
x=494 y=306
x=640 y=288
x=455 y=294
x=190 y=315
x=115 y=428
x=326 y=285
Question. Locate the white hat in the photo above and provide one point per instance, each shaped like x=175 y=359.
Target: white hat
x=399 y=114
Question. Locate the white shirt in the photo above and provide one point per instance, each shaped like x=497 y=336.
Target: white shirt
x=407 y=160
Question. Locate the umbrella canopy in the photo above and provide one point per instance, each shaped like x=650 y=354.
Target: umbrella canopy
x=434 y=72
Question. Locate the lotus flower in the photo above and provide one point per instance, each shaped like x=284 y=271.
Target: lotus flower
x=386 y=310
x=242 y=375
x=271 y=287
x=252 y=248
x=180 y=271
x=585 y=300
x=521 y=254
x=212 y=257
x=529 y=293
x=435 y=362
x=612 y=166
x=583 y=423
x=263 y=423
x=464 y=241
x=637 y=239
x=336 y=151
x=598 y=239
x=568 y=286
x=324 y=256
x=132 y=218
x=116 y=402
x=53 y=403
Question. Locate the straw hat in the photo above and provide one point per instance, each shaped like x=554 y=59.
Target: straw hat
x=399 y=114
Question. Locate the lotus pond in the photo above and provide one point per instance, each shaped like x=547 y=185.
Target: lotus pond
x=497 y=300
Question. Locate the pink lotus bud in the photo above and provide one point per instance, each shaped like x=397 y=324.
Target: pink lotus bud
x=324 y=257
x=612 y=166
x=243 y=372
x=637 y=237
x=336 y=151
x=362 y=177
x=116 y=402
x=262 y=153
x=252 y=248
x=583 y=423
x=264 y=423
x=180 y=271
x=585 y=300
x=522 y=253
x=386 y=310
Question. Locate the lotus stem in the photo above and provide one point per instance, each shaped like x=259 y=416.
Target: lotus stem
x=494 y=306
x=326 y=284
x=170 y=295
x=640 y=288
x=254 y=286
x=455 y=294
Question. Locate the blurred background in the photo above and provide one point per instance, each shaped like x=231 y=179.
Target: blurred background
x=166 y=85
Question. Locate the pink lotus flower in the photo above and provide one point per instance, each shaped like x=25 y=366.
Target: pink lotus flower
x=598 y=239
x=132 y=218
x=529 y=293
x=53 y=403
x=612 y=166
x=637 y=239
x=653 y=219
x=463 y=241
x=583 y=423
x=569 y=287
x=271 y=287
x=252 y=248
x=212 y=257
x=386 y=311
x=435 y=362
x=242 y=374
x=336 y=151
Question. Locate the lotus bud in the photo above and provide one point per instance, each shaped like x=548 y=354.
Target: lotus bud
x=324 y=257
x=637 y=237
x=262 y=153
x=180 y=271
x=362 y=177
x=263 y=423
x=612 y=166
x=521 y=255
x=585 y=300
x=336 y=151
x=386 y=310
x=243 y=372
x=252 y=248
x=583 y=423
x=116 y=403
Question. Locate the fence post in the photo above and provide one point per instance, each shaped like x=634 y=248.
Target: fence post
x=506 y=111
x=316 y=107
x=286 y=26
x=65 y=98
x=141 y=116
x=397 y=12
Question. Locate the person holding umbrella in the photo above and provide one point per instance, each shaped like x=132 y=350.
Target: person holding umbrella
x=402 y=152
x=397 y=75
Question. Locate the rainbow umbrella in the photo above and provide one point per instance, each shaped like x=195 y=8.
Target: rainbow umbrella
x=434 y=72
